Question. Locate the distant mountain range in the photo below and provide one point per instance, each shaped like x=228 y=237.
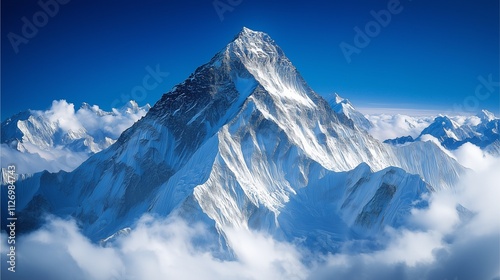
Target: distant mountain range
x=61 y=138
x=481 y=130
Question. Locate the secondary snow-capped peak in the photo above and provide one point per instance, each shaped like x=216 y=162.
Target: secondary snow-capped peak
x=339 y=99
x=94 y=109
x=446 y=122
x=132 y=107
x=342 y=106
x=444 y=127
x=486 y=116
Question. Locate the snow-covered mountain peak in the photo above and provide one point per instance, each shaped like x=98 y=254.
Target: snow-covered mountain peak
x=486 y=115
x=249 y=35
x=85 y=106
x=338 y=99
x=131 y=104
x=93 y=109
x=251 y=63
x=268 y=65
x=245 y=31
x=234 y=144
x=252 y=44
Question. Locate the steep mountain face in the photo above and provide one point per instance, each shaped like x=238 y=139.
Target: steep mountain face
x=244 y=142
x=63 y=137
x=481 y=130
x=493 y=149
x=344 y=107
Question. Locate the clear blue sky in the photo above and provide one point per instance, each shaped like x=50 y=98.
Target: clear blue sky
x=428 y=57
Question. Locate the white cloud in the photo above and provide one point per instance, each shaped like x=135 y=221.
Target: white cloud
x=410 y=247
x=155 y=249
x=393 y=126
x=52 y=160
x=468 y=154
x=63 y=113
x=109 y=125
x=471 y=156
x=262 y=257
x=480 y=193
x=466 y=120
x=92 y=119
x=441 y=215
x=396 y=111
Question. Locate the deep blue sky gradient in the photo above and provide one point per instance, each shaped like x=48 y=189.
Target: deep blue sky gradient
x=428 y=57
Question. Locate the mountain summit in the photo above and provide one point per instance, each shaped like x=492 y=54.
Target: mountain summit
x=244 y=142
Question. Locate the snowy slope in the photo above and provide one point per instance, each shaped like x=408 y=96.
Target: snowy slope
x=357 y=204
x=233 y=146
x=61 y=138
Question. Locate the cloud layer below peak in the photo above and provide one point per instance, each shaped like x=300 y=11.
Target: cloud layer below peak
x=456 y=237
